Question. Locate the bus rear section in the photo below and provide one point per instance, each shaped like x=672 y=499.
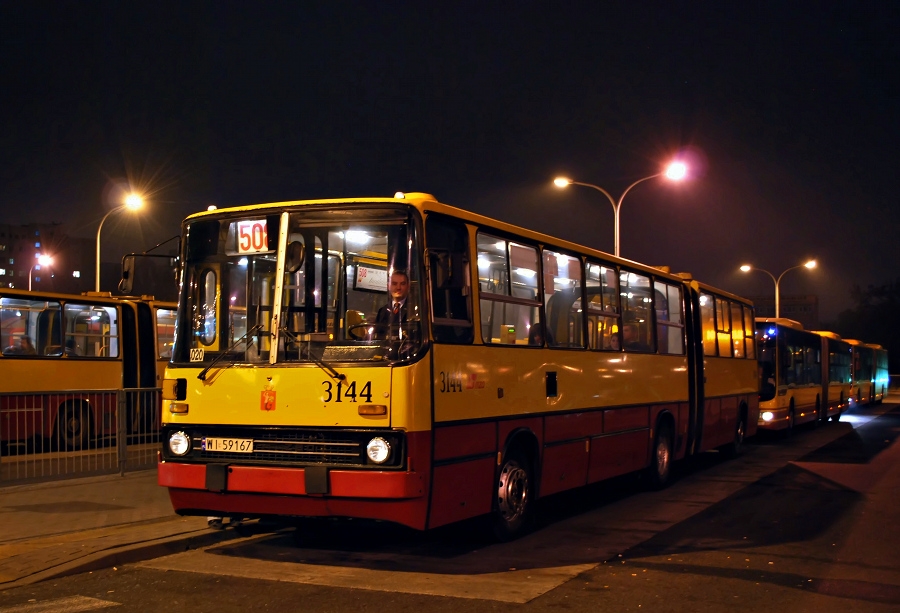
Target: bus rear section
x=837 y=357
x=65 y=358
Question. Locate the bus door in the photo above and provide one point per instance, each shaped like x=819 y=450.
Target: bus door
x=695 y=332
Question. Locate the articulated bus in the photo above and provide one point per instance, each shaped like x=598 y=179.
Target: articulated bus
x=65 y=356
x=870 y=371
x=520 y=365
x=805 y=375
x=837 y=376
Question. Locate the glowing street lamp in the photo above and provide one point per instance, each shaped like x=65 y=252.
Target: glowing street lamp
x=133 y=202
x=676 y=171
x=747 y=268
x=42 y=260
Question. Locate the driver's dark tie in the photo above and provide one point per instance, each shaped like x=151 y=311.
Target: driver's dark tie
x=396 y=308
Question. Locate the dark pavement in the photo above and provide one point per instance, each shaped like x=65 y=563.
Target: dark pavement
x=845 y=492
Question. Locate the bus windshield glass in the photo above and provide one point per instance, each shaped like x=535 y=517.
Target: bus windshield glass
x=350 y=288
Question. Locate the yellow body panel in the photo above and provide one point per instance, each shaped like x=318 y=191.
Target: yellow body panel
x=301 y=396
x=59 y=374
x=730 y=376
x=484 y=382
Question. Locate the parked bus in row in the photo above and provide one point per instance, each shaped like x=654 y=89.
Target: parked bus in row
x=400 y=359
x=65 y=356
x=804 y=375
x=870 y=371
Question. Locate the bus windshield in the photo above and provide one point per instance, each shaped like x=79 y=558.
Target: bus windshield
x=334 y=303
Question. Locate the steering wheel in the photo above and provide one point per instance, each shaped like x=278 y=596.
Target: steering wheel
x=383 y=330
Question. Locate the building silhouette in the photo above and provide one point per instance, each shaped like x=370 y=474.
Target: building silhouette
x=804 y=309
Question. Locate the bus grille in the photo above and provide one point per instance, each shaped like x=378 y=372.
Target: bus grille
x=291 y=447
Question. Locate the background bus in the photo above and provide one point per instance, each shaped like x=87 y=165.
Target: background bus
x=837 y=376
x=870 y=371
x=524 y=365
x=804 y=375
x=65 y=356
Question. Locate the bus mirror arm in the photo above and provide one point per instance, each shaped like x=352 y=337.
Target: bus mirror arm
x=248 y=333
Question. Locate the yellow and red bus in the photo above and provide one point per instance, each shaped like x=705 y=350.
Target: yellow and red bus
x=870 y=371
x=524 y=365
x=65 y=356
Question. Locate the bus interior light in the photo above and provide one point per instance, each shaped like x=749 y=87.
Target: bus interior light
x=378 y=450
x=179 y=443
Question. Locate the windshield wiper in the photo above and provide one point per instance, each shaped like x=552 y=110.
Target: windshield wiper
x=203 y=373
x=312 y=357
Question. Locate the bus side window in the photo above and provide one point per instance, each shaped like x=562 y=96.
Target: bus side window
x=637 y=305
x=448 y=260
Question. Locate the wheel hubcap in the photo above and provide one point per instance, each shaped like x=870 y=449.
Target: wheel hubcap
x=512 y=491
x=662 y=457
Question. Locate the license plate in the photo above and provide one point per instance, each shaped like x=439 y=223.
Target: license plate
x=230 y=445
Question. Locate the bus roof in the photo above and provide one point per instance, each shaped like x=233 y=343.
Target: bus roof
x=425 y=202
x=780 y=321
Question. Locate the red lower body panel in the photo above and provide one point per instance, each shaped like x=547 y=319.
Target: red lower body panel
x=254 y=490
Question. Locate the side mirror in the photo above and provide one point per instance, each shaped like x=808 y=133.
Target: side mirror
x=296 y=252
x=126 y=283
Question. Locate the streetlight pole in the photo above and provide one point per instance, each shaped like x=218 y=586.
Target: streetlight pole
x=132 y=201
x=675 y=172
x=747 y=268
x=43 y=260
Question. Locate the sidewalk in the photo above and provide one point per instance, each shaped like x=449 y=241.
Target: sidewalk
x=69 y=526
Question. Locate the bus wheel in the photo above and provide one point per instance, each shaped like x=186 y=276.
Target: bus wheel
x=660 y=468
x=515 y=493
x=740 y=430
x=789 y=431
x=73 y=427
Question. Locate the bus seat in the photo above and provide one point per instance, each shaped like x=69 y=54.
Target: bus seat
x=53 y=350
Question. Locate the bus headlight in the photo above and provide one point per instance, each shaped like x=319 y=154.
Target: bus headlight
x=767 y=416
x=378 y=450
x=179 y=443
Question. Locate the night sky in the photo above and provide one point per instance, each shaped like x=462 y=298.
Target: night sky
x=787 y=112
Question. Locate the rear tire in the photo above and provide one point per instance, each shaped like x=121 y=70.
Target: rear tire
x=73 y=427
x=660 y=469
x=513 y=498
x=732 y=449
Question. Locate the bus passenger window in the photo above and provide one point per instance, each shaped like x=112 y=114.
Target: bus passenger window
x=637 y=330
x=562 y=300
x=602 y=286
x=669 y=320
x=708 y=324
x=723 y=327
x=508 y=277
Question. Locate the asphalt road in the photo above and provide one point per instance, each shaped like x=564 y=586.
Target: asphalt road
x=808 y=523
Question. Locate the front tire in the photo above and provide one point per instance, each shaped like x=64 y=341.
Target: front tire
x=514 y=498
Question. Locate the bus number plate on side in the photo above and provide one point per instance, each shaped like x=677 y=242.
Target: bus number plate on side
x=232 y=445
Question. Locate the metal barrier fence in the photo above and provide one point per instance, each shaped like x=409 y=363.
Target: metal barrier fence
x=53 y=435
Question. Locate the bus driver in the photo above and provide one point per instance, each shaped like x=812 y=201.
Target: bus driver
x=395 y=312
